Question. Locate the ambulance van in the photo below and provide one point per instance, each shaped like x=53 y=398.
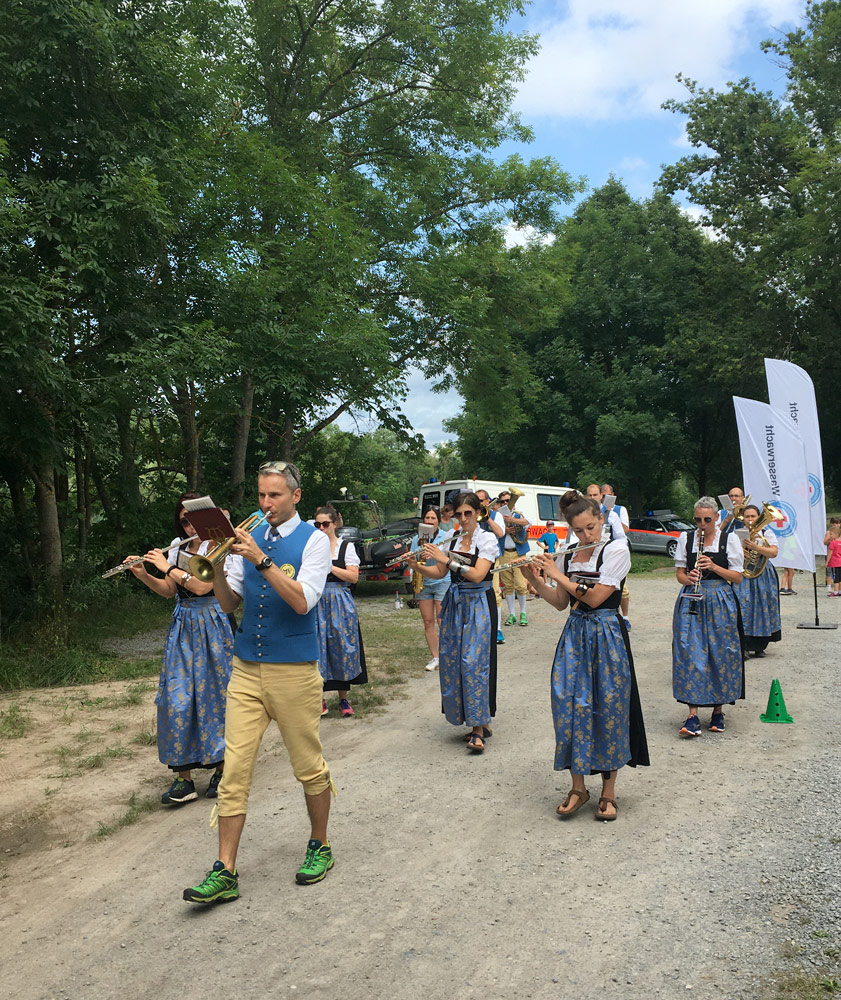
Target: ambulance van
x=538 y=503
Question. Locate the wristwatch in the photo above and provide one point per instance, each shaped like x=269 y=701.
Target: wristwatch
x=264 y=563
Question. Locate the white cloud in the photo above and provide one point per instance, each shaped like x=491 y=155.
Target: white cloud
x=520 y=236
x=617 y=59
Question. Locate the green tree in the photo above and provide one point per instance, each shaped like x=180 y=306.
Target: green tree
x=768 y=174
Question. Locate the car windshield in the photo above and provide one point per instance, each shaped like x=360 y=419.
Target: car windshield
x=678 y=524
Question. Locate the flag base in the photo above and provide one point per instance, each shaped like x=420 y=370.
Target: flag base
x=815 y=625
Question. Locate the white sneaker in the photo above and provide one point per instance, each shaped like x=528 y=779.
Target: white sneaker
x=432 y=665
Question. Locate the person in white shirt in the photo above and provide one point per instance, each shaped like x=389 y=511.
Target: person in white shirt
x=496 y=525
x=466 y=650
x=625 y=521
x=707 y=662
x=279 y=577
x=759 y=596
x=595 y=703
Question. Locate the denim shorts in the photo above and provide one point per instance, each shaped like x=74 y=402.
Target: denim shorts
x=434 y=590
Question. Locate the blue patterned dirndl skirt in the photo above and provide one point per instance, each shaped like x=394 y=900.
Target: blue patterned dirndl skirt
x=707 y=660
x=194 y=678
x=467 y=654
x=341 y=657
x=759 y=602
x=593 y=690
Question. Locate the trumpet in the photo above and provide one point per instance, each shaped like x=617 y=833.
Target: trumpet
x=204 y=567
x=139 y=559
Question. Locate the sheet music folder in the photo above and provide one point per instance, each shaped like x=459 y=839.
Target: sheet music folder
x=212 y=524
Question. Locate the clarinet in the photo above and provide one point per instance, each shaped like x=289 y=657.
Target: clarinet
x=694 y=596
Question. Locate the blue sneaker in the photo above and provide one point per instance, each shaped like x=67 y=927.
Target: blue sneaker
x=500 y=638
x=717 y=722
x=692 y=727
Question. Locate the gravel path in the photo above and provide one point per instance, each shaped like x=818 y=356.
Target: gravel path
x=453 y=875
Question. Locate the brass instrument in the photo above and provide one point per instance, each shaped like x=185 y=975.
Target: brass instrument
x=533 y=556
x=520 y=535
x=139 y=559
x=739 y=508
x=755 y=562
x=204 y=567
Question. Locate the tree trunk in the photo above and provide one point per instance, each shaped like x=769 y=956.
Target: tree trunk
x=128 y=503
x=287 y=439
x=181 y=400
x=43 y=476
x=242 y=427
x=273 y=433
x=80 y=463
x=22 y=512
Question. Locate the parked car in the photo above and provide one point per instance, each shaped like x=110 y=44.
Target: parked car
x=379 y=545
x=657 y=532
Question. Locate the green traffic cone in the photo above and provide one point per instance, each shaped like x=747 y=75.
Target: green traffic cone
x=776 y=710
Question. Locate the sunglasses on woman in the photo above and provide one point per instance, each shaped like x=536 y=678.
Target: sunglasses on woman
x=466 y=513
x=322 y=524
x=703 y=520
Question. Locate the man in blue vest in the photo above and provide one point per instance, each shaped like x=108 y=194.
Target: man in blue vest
x=513 y=546
x=278 y=571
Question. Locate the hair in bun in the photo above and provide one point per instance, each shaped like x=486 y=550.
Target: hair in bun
x=573 y=503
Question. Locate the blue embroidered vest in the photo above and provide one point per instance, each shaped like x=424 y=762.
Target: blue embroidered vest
x=521 y=548
x=270 y=631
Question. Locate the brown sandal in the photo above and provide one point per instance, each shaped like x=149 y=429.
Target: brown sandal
x=601 y=813
x=476 y=743
x=582 y=798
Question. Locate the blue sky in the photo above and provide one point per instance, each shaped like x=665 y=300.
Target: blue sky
x=593 y=96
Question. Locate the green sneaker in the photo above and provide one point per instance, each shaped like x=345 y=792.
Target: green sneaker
x=511 y=620
x=219 y=886
x=523 y=619
x=317 y=863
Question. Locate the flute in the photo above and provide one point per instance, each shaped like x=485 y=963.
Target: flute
x=139 y=559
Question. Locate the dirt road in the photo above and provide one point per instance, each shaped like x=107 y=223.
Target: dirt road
x=453 y=877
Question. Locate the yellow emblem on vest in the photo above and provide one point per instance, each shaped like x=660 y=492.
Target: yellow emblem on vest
x=288 y=569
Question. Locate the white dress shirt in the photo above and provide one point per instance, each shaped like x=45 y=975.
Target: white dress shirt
x=615 y=566
x=735 y=553
x=316 y=563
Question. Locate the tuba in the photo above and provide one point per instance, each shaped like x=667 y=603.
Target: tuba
x=520 y=535
x=755 y=562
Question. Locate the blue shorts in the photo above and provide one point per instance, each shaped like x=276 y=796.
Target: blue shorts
x=434 y=590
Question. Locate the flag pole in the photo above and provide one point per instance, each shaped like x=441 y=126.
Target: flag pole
x=817 y=618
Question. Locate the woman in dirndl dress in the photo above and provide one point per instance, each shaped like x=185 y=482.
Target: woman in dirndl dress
x=596 y=708
x=759 y=598
x=341 y=657
x=432 y=593
x=708 y=667
x=466 y=646
x=196 y=666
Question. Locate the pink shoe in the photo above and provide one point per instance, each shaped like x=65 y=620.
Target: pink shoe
x=345 y=709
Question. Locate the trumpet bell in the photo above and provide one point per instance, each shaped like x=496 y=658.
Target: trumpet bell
x=204 y=568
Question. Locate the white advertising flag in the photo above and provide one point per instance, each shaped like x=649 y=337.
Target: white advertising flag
x=790 y=391
x=774 y=469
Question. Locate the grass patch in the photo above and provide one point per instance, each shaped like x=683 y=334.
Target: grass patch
x=53 y=653
x=14 y=723
x=649 y=563
x=136 y=808
x=102 y=757
x=133 y=696
x=800 y=986
x=145 y=738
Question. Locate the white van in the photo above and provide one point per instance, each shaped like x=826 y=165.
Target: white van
x=538 y=503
